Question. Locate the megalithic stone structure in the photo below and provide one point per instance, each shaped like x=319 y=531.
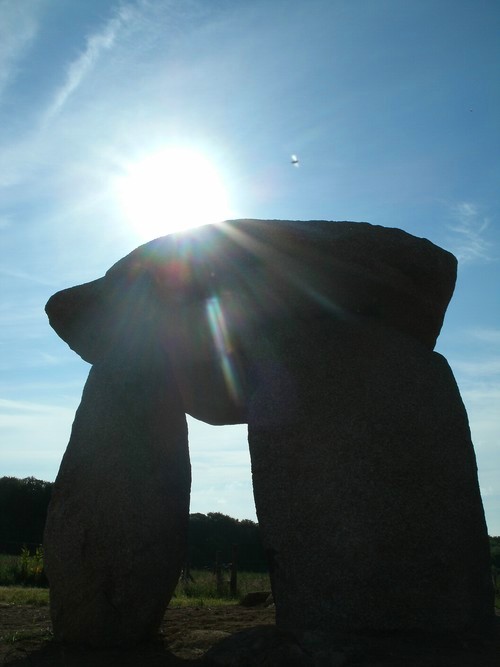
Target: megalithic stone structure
x=116 y=531
x=320 y=336
x=366 y=487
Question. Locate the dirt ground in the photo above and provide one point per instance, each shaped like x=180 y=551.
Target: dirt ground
x=232 y=636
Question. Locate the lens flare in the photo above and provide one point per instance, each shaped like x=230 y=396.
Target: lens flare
x=222 y=341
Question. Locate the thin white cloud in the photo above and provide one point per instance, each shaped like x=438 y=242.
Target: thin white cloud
x=9 y=408
x=221 y=470
x=479 y=381
x=11 y=315
x=34 y=437
x=477 y=369
x=486 y=335
x=483 y=407
x=79 y=69
x=482 y=401
x=469 y=240
x=22 y=275
x=18 y=28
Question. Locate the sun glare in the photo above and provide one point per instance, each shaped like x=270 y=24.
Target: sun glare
x=171 y=190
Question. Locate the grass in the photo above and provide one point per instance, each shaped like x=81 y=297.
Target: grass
x=23 y=635
x=9 y=565
x=201 y=592
x=203 y=587
x=19 y=595
x=183 y=601
x=39 y=597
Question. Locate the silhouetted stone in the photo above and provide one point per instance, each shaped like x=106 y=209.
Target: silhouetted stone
x=261 y=646
x=320 y=336
x=366 y=491
x=246 y=277
x=256 y=598
x=116 y=532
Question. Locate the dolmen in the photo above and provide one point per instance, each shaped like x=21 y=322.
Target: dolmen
x=320 y=336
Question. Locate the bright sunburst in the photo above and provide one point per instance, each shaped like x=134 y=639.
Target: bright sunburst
x=171 y=190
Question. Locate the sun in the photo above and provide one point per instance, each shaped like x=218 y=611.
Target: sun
x=171 y=190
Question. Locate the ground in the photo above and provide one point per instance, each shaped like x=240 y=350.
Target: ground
x=187 y=634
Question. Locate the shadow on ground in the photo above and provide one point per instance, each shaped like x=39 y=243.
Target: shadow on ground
x=236 y=636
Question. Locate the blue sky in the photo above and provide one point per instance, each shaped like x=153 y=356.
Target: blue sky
x=392 y=107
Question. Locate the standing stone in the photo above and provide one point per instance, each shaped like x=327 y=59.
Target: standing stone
x=116 y=532
x=365 y=485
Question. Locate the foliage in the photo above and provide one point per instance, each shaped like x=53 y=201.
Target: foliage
x=495 y=566
x=31 y=567
x=9 y=566
x=215 y=532
x=23 y=570
x=24 y=504
x=495 y=551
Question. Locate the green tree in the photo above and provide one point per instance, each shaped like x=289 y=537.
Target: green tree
x=215 y=532
x=23 y=510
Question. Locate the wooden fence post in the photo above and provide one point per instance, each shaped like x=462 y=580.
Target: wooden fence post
x=186 y=575
x=218 y=575
x=233 y=582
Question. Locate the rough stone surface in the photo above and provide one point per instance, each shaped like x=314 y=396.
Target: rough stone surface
x=260 y=647
x=320 y=336
x=365 y=485
x=248 y=276
x=116 y=531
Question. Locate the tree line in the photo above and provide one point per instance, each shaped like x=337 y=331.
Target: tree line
x=23 y=510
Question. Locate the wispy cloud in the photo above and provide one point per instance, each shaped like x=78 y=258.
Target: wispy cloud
x=22 y=275
x=478 y=369
x=480 y=392
x=9 y=408
x=34 y=436
x=469 y=241
x=478 y=377
x=483 y=408
x=96 y=44
x=221 y=470
x=486 y=335
x=18 y=28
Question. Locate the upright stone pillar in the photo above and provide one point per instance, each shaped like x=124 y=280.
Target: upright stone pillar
x=116 y=532
x=365 y=484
